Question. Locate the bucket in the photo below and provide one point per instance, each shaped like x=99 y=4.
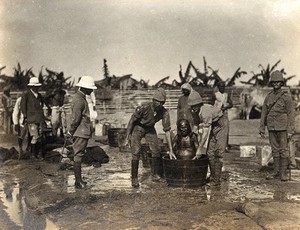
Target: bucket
x=185 y=173
x=113 y=135
x=121 y=140
x=99 y=129
x=106 y=127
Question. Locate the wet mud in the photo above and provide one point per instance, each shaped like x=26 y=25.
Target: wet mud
x=37 y=193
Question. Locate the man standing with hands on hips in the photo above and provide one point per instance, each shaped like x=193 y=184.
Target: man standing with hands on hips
x=81 y=126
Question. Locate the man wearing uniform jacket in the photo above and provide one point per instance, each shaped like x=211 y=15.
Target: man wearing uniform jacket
x=81 y=126
x=278 y=116
x=141 y=125
x=214 y=134
x=32 y=110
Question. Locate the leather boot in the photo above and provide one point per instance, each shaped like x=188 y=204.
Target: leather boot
x=38 y=154
x=79 y=183
x=276 y=166
x=134 y=173
x=212 y=170
x=33 y=151
x=218 y=172
x=284 y=162
x=156 y=166
x=20 y=143
x=145 y=160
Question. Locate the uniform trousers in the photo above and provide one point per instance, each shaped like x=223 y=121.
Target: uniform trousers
x=150 y=135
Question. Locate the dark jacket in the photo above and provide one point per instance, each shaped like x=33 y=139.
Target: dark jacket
x=32 y=108
x=81 y=125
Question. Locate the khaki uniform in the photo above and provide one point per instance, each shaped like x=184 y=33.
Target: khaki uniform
x=279 y=120
x=81 y=126
x=144 y=119
x=212 y=117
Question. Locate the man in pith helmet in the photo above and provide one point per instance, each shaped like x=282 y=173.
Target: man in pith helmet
x=141 y=125
x=32 y=110
x=278 y=116
x=81 y=126
x=213 y=140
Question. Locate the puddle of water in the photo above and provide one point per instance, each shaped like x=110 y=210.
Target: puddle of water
x=238 y=190
x=70 y=184
x=11 y=196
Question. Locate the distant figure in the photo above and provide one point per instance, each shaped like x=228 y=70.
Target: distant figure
x=81 y=126
x=183 y=109
x=278 y=116
x=185 y=142
x=8 y=109
x=142 y=125
x=245 y=100
x=19 y=127
x=32 y=110
x=58 y=116
x=222 y=101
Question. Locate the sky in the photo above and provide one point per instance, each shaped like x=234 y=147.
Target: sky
x=150 y=39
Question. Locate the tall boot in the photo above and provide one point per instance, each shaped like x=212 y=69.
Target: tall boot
x=218 y=172
x=43 y=149
x=20 y=143
x=38 y=151
x=284 y=162
x=276 y=166
x=156 y=166
x=212 y=169
x=79 y=183
x=33 y=151
x=134 y=173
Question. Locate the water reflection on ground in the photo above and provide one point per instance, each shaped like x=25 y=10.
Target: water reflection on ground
x=15 y=212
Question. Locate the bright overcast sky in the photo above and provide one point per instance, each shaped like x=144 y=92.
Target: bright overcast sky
x=149 y=39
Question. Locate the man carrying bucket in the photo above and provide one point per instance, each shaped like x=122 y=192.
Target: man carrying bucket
x=141 y=125
x=213 y=128
x=81 y=126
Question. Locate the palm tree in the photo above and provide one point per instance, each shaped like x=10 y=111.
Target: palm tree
x=262 y=79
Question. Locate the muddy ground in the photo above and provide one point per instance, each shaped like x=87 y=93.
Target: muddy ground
x=38 y=195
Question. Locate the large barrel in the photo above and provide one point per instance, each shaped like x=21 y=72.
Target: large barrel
x=185 y=173
x=113 y=136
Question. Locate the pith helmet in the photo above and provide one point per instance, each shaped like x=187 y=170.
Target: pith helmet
x=34 y=81
x=160 y=95
x=87 y=82
x=187 y=86
x=194 y=98
x=276 y=76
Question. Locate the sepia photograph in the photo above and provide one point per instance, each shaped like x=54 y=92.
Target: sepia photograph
x=140 y=114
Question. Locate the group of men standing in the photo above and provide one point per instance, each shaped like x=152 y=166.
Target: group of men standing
x=29 y=117
x=211 y=123
x=208 y=121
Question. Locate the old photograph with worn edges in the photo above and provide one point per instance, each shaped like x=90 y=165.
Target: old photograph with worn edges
x=139 y=114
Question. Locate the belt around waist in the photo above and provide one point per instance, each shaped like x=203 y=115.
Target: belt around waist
x=145 y=126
